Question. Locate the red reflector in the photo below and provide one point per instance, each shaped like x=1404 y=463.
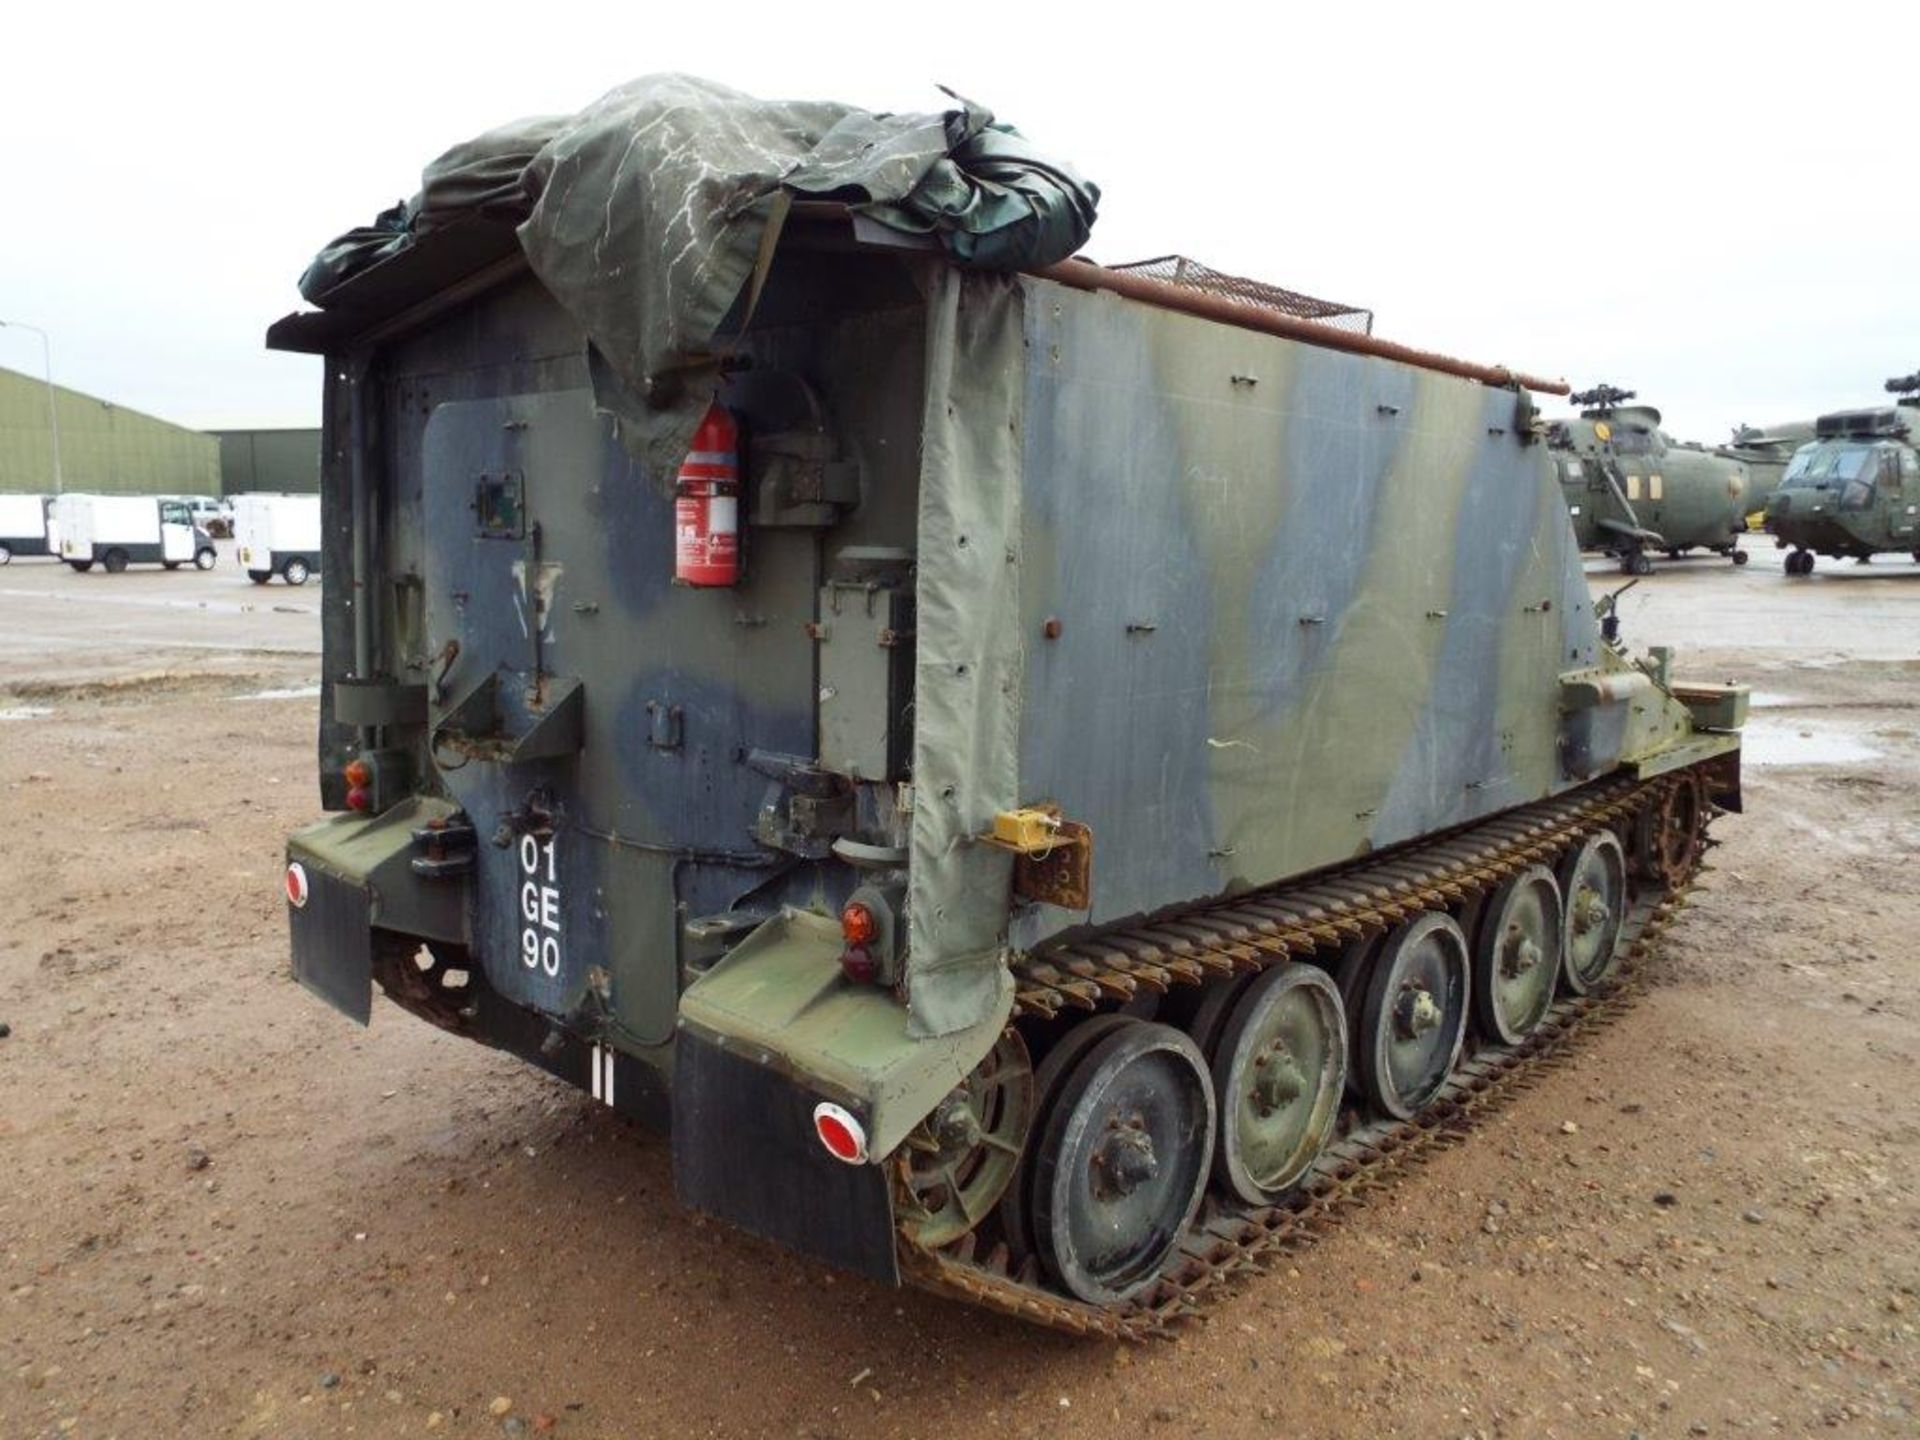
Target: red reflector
x=359 y=799
x=856 y=963
x=844 y=1136
x=358 y=774
x=297 y=885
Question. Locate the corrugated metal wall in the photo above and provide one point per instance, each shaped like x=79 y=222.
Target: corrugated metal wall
x=104 y=448
x=284 y=461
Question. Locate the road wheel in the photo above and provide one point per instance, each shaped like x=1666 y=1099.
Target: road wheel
x=115 y=561
x=1123 y=1162
x=295 y=571
x=1278 y=1072
x=170 y=564
x=1016 y=1206
x=6 y=555
x=82 y=566
x=1516 y=955
x=259 y=577
x=203 y=559
x=1593 y=880
x=1415 y=1018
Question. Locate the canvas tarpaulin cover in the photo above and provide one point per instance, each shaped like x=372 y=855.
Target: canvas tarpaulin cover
x=652 y=212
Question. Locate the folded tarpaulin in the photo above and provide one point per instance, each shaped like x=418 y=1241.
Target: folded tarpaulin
x=647 y=213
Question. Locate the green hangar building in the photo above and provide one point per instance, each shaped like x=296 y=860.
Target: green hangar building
x=283 y=462
x=105 y=448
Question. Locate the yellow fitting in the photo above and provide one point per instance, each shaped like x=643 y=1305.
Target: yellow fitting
x=1027 y=831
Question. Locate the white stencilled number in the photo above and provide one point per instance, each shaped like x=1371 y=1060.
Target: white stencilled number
x=539 y=905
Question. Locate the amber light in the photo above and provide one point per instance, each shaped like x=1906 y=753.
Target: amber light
x=857 y=925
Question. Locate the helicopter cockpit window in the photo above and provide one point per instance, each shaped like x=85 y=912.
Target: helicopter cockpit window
x=1833 y=463
x=1626 y=442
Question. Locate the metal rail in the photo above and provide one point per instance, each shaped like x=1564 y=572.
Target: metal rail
x=1085 y=275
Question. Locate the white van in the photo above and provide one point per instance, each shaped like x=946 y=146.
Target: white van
x=115 y=531
x=277 y=535
x=24 y=521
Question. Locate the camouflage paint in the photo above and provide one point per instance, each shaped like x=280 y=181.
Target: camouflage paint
x=1282 y=576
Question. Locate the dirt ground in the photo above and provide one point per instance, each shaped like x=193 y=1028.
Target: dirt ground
x=224 y=1210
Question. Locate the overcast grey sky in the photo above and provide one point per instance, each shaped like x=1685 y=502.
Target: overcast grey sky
x=1705 y=202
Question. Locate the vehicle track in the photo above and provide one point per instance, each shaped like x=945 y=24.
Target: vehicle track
x=1228 y=1241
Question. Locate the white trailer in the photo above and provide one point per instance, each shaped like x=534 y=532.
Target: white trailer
x=24 y=522
x=277 y=535
x=114 y=531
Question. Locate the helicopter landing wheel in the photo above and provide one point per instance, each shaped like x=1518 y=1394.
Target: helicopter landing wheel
x=1593 y=884
x=1739 y=557
x=959 y=1160
x=1415 y=1017
x=1636 y=563
x=1669 y=835
x=1278 y=1072
x=1800 y=562
x=1122 y=1162
x=1516 y=955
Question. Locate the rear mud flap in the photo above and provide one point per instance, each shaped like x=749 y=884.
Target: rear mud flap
x=744 y=1151
x=333 y=943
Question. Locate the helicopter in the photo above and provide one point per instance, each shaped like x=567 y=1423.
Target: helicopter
x=1855 y=490
x=1631 y=489
x=1766 y=451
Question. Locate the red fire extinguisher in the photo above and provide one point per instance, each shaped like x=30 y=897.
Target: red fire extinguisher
x=706 y=505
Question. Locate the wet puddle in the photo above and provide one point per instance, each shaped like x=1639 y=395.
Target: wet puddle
x=1770 y=742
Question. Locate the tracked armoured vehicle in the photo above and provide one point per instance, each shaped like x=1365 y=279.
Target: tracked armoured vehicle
x=1032 y=772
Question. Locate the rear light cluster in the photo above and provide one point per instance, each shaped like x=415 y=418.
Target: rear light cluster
x=859 y=929
x=359 y=778
x=297 y=890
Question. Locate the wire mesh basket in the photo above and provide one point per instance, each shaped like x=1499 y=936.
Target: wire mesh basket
x=1192 y=275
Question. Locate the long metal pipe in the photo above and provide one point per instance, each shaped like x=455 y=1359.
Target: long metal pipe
x=360 y=595
x=1085 y=275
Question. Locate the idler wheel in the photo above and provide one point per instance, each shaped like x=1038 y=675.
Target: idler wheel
x=1593 y=882
x=1516 y=955
x=1122 y=1162
x=1279 y=1067
x=959 y=1161
x=1415 y=1018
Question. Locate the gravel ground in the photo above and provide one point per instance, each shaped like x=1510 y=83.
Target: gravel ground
x=227 y=1211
